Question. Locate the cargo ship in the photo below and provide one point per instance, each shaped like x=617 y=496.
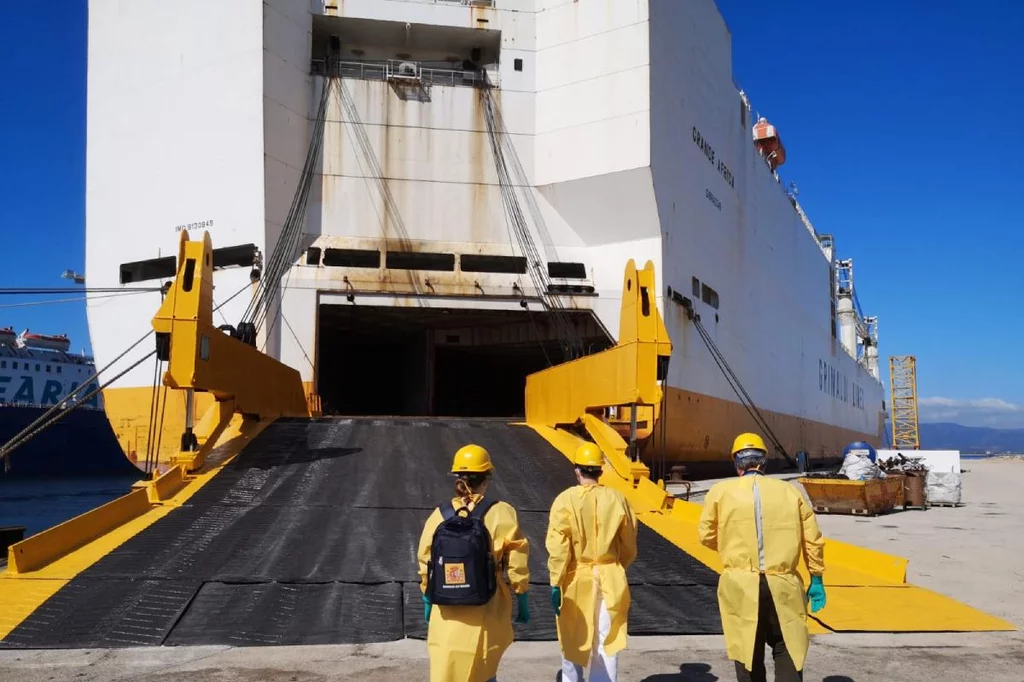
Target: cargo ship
x=436 y=198
x=38 y=372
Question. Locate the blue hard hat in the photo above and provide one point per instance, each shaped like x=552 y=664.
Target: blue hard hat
x=861 y=448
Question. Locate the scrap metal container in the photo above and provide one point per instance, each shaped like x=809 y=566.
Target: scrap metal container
x=867 y=498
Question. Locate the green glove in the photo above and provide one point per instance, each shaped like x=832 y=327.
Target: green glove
x=556 y=600
x=426 y=608
x=816 y=594
x=523 y=609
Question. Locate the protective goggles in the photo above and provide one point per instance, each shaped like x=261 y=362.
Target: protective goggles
x=750 y=454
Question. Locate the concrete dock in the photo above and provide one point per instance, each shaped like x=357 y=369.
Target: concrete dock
x=974 y=553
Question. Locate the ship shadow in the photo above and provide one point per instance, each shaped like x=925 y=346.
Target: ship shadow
x=688 y=672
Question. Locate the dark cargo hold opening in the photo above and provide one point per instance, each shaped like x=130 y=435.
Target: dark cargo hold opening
x=452 y=362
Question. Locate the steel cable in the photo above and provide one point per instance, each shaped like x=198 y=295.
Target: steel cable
x=37 y=291
x=281 y=257
x=737 y=386
x=19 y=439
x=502 y=148
x=5 y=452
x=28 y=304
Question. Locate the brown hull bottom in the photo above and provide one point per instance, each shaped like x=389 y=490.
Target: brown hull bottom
x=695 y=430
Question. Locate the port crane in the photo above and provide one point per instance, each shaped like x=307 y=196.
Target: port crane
x=903 y=390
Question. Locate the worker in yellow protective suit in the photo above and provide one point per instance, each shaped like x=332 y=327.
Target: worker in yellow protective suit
x=466 y=643
x=761 y=527
x=591 y=541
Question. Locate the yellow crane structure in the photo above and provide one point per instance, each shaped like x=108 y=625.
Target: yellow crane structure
x=903 y=390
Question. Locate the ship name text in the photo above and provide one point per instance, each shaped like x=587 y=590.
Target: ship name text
x=717 y=162
x=713 y=199
x=22 y=390
x=833 y=382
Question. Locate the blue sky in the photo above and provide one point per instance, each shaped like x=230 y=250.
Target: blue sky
x=901 y=123
x=42 y=161
x=899 y=120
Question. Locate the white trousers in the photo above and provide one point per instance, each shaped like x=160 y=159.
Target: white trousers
x=603 y=668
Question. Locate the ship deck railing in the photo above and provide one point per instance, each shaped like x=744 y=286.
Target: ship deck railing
x=58 y=356
x=25 y=403
x=333 y=4
x=404 y=72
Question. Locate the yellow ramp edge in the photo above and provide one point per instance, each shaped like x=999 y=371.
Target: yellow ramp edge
x=42 y=549
x=22 y=590
x=906 y=608
x=867 y=590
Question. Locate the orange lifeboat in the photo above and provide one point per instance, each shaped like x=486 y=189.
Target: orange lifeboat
x=766 y=137
x=7 y=336
x=59 y=342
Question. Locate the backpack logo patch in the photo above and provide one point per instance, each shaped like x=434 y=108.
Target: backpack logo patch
x=455 y=574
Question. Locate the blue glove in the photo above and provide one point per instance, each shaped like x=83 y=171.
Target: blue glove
x=816 y=594
x=426 y=608
x=523 y=609
x=556 y=600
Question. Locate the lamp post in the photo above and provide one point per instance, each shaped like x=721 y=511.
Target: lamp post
x=73 y=276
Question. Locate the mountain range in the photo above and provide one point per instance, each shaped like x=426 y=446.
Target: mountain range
x=968 y=439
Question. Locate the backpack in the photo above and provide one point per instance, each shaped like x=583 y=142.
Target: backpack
x=461 y=571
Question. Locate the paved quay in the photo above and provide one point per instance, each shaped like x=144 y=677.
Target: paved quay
x=974 y=553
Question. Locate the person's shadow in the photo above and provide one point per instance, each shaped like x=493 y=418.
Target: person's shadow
x=688 y=672
x=837 y=678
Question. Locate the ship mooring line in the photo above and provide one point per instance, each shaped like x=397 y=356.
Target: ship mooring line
x=5 y=451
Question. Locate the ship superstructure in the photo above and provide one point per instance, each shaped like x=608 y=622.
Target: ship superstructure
x=437 y=198
x=37 y=373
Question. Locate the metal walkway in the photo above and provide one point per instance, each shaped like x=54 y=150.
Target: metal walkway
x=309 y=537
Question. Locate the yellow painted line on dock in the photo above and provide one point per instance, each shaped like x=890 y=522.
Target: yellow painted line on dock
x=867 y=590
x=23 y=592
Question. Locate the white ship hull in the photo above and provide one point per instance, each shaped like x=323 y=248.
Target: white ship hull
x=626 y=122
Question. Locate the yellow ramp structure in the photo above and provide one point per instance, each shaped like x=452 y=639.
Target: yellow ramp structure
x=43 y=564
x=867 y=590
x=612 y=398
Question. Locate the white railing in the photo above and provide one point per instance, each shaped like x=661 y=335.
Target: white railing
x=405 y=72
x=332 y=5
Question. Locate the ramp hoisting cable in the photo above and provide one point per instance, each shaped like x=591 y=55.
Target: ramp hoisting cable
x=283 y=254
x=358 y=133
x=504 y=156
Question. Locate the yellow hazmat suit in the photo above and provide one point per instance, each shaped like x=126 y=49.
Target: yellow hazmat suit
x=591 y=541
x=789 y=530
x=465 y=643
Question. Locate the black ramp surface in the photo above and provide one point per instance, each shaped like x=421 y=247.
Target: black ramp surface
x=310 y=536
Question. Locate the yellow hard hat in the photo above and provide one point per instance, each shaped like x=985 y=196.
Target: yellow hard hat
x=748 y=441
x=471 y=459
x=588 y=455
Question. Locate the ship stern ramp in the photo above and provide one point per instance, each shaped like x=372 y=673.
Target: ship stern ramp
x=303 y=529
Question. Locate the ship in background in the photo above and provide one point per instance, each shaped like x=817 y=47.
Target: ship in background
x=481 y=171
x=37 y=372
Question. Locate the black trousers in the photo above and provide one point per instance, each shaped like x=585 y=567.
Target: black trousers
x=768 y=632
